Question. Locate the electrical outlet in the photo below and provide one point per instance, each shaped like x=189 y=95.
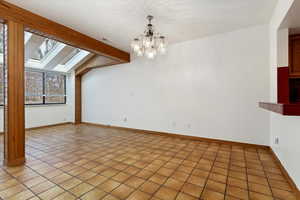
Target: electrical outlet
x=276 y=141
x=125 y=119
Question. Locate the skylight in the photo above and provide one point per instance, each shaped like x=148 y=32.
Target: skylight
x=71 y=56
x=47 y=46
x=50 y=55
x=47 y=54
x=80 y=57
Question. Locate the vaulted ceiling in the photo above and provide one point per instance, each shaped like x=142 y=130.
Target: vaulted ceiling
x=120 y=21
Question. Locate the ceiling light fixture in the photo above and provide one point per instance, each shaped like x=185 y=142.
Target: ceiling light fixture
x=150 y=43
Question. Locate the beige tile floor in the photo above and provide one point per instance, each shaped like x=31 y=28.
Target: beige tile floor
x=89 y=162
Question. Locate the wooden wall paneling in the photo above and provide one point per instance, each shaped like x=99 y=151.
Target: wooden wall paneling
x=294 y=55
x=283 y=89
x=38 y=24
x=14 y=126
x=295 y=90
x=78 y=99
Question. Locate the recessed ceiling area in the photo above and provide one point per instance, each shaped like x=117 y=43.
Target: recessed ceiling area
x=119 y=21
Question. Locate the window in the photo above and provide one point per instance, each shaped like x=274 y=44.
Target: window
x=55 y=88
x=70 y=56
x=44 y=88
x=46 y=47
x=34 y=87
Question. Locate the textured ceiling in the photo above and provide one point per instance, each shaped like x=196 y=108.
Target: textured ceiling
x=179 y=20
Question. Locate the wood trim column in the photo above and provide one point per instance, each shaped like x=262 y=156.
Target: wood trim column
x=78 y=99
x=14 y=119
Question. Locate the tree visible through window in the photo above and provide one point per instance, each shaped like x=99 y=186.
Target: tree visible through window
x=45 y=88
x=34 y=87
x=54 y=88
x=40 y=87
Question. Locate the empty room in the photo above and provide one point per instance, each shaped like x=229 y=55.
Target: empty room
x=150 y=100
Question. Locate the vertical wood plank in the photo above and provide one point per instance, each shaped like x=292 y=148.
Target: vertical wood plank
x=77 y=99
x=14 y=126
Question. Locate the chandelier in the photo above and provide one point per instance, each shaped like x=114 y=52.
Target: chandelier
x=150 y=43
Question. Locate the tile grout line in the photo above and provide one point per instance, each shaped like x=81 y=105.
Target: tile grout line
x=246 y=167
x=59 y=148
x=148 y=179
x=161 y=185
x=267 y=178
x=180 y=190
x=229 y=163
x=21 y=184
x=210 y=172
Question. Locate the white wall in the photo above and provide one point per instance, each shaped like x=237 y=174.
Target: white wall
x=283 y=47
x=287 y=128
x=36 y=116
x=42 y=115
x=208 y=87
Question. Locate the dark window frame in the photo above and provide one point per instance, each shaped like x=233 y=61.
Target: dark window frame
x=44 y=90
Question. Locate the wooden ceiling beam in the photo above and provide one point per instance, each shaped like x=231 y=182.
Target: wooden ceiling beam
x=93 y=63
x=43 y=26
